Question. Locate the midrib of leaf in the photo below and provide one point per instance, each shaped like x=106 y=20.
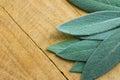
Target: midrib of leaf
x=88 y=45
x=108 y=2
x=112 y=50
x=102 y=22
x=82 y=51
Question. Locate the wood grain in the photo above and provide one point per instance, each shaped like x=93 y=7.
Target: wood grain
x=38 y=19
x=20 y=58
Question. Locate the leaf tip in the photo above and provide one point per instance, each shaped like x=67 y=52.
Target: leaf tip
x=48 y=48
x=62 y=29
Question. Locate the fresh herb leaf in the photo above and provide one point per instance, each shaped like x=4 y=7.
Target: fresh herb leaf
x=79 y=51
x=100 y=36
x=77 y=67
x=93 y=23
x=97 y=5
x=106 y=56
x=74 y=49
x=60 y=46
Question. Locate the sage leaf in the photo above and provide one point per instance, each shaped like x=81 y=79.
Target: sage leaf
x=105 y=57
x=100 y=36
x=79 y=51
x=77 y=67
x=97 y=5
x=60 y=46
x=74 y=49
x=93 y=23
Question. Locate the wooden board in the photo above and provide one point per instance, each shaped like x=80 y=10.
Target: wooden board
x=20 y=58
x=28 y=28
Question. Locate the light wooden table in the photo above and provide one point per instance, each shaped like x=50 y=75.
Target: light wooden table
x=27 y=27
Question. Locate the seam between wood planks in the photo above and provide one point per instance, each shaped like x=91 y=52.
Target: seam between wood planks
x=75 y=8
x=34 y=42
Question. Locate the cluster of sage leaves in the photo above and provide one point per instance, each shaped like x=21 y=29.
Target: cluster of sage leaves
x=95 y=47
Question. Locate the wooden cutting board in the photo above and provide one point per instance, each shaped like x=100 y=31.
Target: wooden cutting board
x=27 y=27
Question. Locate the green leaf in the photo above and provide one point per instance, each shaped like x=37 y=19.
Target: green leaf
x=93 y=23
x=77 y=67
x=60 y=46
x=79 y=51
x=105 y=57
x=74 y=49
x=97 y=5
x=100 y=36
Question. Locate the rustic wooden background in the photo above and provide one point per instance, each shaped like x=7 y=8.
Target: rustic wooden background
x=27 y=27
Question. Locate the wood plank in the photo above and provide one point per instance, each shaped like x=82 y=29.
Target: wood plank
x=20 y=58
x=38 y=18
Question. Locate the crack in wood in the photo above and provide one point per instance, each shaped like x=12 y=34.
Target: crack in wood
x=34 y=42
